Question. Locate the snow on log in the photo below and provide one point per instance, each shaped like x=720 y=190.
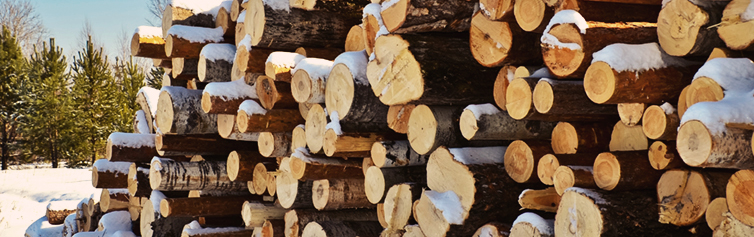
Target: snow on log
x=189 y=13
x=309 y=78
x=115 y=221
x=683 y=195
x=141 y=124
x=498 y=43
x=138 y=181
x=107 y=174
x=194 y=229
x=147 y=42
x=531 y=224
x=215 y=62
x=147 y=98
x=169 y=175
x=251 y=59
x=719 y=77
x=253 y=118
x=188 y=41
x=130 y=147
x=625 y=170
x=222 y=19
x=225 y=97
x=697 y=19
x=179 y=112
x=487 y=122
x=278 y=65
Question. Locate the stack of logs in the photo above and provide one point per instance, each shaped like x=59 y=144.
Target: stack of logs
x=439 y=118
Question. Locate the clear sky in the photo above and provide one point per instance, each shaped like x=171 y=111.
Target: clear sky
x=64 y=19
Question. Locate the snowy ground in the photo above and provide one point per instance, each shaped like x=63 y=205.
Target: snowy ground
x=24 y=194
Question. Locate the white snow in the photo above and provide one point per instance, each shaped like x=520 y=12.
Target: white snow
x=142 y=122
x=564 y=17
x=156 y=197
x=241 y=17
x=317 y=68
x=148 y=31
x=152 y=95
x=199 y=6
x=356 y=62
x=213 y=52
x=90 y=234
x=156 y=162
x=596 y=197
x=133 y=140
x=731 y=73
x=115 y=221
x=231 y=90
x=375 y=10
x=25 y=194
x=481 y=8
x=544 y=226
x=668 y=108
x=196 y=231
x=104 y=165
x=334 y=123
x=388 y=4
x=482 y=109
x=449 y=204
x=70 y=221
x=278 y=4
x=748 y=14
x=251 y=107
x=479 y=155
x=637 y=57
x=543 y=72
x=735 y=107
x=285 y=164
x=285 y=59
x=42 y=228
x=124 y=233
x=245 y=42
x=63 y=205
x=197 y=34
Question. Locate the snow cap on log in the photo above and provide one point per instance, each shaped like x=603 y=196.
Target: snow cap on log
x=103 y=165
x=132 y=140
x=482 y=109
x=449 y=204
x=278 y=4
x=715 y=115
x=356 y=62
x=115 y=221
x=251 y=107
x=733 y=74
x=214 y=52
x=637 y=57
x=210 y=7
x=479 y=155
x=544 y=226
x=317 y=68
x=141 y=123
x=197 y=34
x=231 y=90
x=564 y=17
x=375 y=10
x=152 y=95
x=148 y=31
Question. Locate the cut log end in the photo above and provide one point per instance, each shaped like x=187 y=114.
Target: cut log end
x=398 y=205
x=584 y=218
x=422 y=129
x=565 y=139
x=543 y=97
x=563 y=61
x=260 y=178
x=301 y=86
x=740 y=196
x=714 y=213
x=678 y=26
x=379 y=154
x=490 y=40
x=320 y=193
x=657 y=124
x=498 y=230
x=683 y=197
x=233 y=164
x=355 y=39
x=374 y=184
x=546 y=168
x=340 y=90
x=694 y=143
x=519 y=161
x=663 y=157
x=563 y=178
x=501 y=85
x=599 y=82
x=607 y=171
x=394 y=16
x=631 y=113
x=164 y=115
x=316 y=121
x=518 y=99
x=468 y=124
x=530 y=14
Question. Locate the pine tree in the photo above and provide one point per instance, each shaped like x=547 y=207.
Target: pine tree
x=13 y=68
x=154 y=79
x=48 y=127
x=94 y=99
x=130 y=80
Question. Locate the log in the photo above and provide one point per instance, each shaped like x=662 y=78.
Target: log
x=546 y=200
x=260 y=175
x=486 y=122
x=168 y=175
x=342 y=228
x=58 y=211
x=275 y=94
x=163 y=63
x=715 y=213
x=204 y=206
x=185 y=69
x=215 y=62
x=700 y=147
x=134 y=208
x=271 y=27
x=340 y=144
x=298 y=137
x=138 y=181
x=386 y=154
x=397 y=117
x=195 y=84
x=430 y=127
x=732 y=227
x=240 y=30
x=549 y=163
x=182 y=41
x=684 y=195
x=493 y=229
x=567 y=101
x=378 y=181
x=293 y=193
x=664 y=156
x=169 y=80
x=722 y=52
x=240 y=165
x=236 y=9
x=597 y=212
x=575 y=137
x=255 y=213
x=567 y=176
x=503 y=79
x=631 y=113
x=624 y=170
x=130 y=147
x=217 y=232
x=498 y=43
x=738 y=193
x=428 y=70
x=696 y=37
x=251 y=59
x=399 y=201
x=279 y=65
x=179 y=112
x=200 y=145
x=348 y=92
x=273 y=228
x=427 y=15
x=307 y=167
x=336 y=194
x=372 y=25
x=225 y=97
x=568 y=49
x=147 y=100
x=309 y=78
x=521 y=158
x=275 y=144
x=713 y=87
x=184 y=14
x=147 y=42
x=107 y=174
x=531 y=224
x=222 y=20
x=316 y=121
x=113 y=200
x=661 y=123
x=628 y=138
x=297 y=219
x=228 y=129
x=518 y=99
x=496 y=10
x=304 y=108
x=608 y=81
x=272 y=183
x=141 y=123
x=253 y=118
x=534 y=15
x=355 y=39
x=381 y=215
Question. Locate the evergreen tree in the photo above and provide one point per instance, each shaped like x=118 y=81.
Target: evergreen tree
x=130 y=81
x=13 y=68
x=94 y=99
x=49 y=125
x=154 y=79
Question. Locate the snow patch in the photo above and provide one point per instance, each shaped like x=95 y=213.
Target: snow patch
x=197 y=34
x=317 y=68
x=479 y=155
x=449 y=204
x=564 y=17
x=148 y=31
x=142 y=122
x=118 y=167
x=546 y=227
x=245 y=42
x=637 y=57
x=70 y=221
x=278 y=4
x=388 y=4
x=735 y=107
x=542 y=72
x=132 y=140
x=116 y=221
x=198 y=6
x=42 y=228
x=482 y=109
x=152 y=95
x=334 y=123
x=668 y=108
x=156 y=197
x=356 y=62
x=251 y=107
x=241 y=17
x=303 y=154
x=748 y=14
x=231 y=90
x=731 y=73
x=284 y=59
x=213 y=52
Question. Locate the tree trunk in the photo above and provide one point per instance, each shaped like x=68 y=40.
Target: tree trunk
x=200 y=145
x=240 y=165
x=625 y=170
x=184 y=44
x=225 y=97
x=130 y=147
x=348 y=92
x=430 y=127
x=179 y=112
x=659 y=124
x=549 y=163
x=433 y=71
x=255 y=213
x=260 y=175
x=146 y=44
x=605 y=85
x=416 y=16
x=297 y=219
x=699 y=147
x=521 y=158
x=168 y=175
x=397 y=117
x=498 y=43
x=567 y=101
x=273 y=228
x=176 y=15
x=216 y=70
x=352 y=144
x=306 y=167
x=204 y=206
x=683 y=195
x=731 y=226
x=574 y=137
x=184 y=69
x=106 y=174
x=228 y=129
x=275 y=94
x=293 y=193
x=378 y=181
x=486 y=122
x=274 y=120
x=308 y=82
x=546 y=200
x=138 y=181
x=275 y=144
x=567 y=176
x=250 y=59
x=279 y=65
x=113 y=200
x=223 y=21
x=685 y=29
x=399 y=201
x=535 y=15
x=336 y=194
x=315 y=127
x=628 y=138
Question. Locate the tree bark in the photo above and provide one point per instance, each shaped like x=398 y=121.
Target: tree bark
x=336 y=194
x=274 y=120
x=567 y=101
x=179 y=112
x=56 y=214
x=275 y=94
x=168 y=175
x=175 y=15
x=138 y=181
x=307 y=167
x=500 y=125
x=179 y=44
x=107 y=174
x=731 y=226
x=498 y=43
x=416 y=16
x=605 y=85
x=387 y=154
x=213 y=71
x=204 y=206
x=699 y=147
x=625 y=170
x=148 y=46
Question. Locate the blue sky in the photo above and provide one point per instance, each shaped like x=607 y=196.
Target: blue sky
x=64 y=20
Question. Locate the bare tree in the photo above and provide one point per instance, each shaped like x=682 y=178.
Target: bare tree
x=24 y=22
x=124 y=52
x=156 y=7
x=86 y=34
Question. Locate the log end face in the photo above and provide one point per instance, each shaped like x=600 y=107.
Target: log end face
x=519 y=161
x=494 y=230
x=694 y=143
x=683 y=197
x=599 y=82
x=266 y=143
x=529 y=14
x=546 y=168
x=316 y=121
x=155 y=178
x=355 y=39
x=678 y=27
x=374 y=184
x=233 y=165
x=504 y=78
x=422 y=129
x=287 y=189
x=543 y=97
x=565 y=138
x=655 y=122
x=206 y=102
x=563 y=178
x=301 y=86
x=578 y=215
x=394 y=16
x=165 y=113
x=564 y=61
x=320 y=194
x=430 y=218
x=167 y=20
x=95 y=177
x=255 y=21
x=164 y=208
x=398 y=205
x=242 y=121
x=225 y=124
x=378 y=154
x=169 y=46
x=607 y=171
x=298 y=168
x=135 y=42
x=260 y=178
x=714 y=213
x=403 y=81
x=659 y=155
x=468 y=124
x=330 y=142
x=740 y=196
x=313 y=229
x=703 y=89
x=518 y=99
x=201 y=69
x=489 y=40
x=339 y=90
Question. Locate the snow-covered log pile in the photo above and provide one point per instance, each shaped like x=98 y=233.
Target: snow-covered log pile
x=437 y=118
